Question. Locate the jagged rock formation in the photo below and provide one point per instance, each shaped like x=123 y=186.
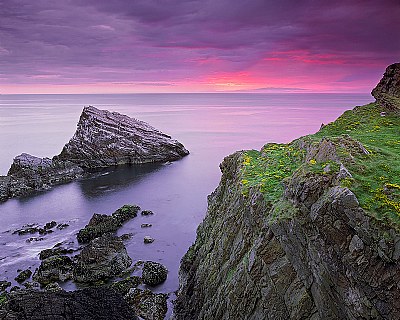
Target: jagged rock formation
x=102 y=139
x=106 y=138
x=307 y=230
x=387 y=92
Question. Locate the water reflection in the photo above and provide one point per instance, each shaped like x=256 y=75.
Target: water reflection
x=116 y=178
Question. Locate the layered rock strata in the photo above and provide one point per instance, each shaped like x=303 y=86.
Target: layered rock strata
x=307 y=230
x=102 y=139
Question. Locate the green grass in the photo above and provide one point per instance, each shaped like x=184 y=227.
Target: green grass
x=376 y=176
x=266 y=169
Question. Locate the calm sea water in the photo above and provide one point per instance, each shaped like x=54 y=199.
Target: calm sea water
x=211 y=126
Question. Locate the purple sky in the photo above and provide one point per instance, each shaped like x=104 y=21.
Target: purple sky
x=89 y=46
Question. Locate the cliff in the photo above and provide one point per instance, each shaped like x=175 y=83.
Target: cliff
x=102 y=139
x=305 y=230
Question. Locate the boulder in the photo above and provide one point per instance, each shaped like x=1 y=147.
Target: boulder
x=154 y=273
x=101 y=259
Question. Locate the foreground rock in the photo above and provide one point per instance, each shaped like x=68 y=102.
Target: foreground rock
x=148 y=305
x=290 y=232
x=102 y=139
x=101 y=259
x=54 y=268
x=154 y=273
x=88 y=304
x=100 y=224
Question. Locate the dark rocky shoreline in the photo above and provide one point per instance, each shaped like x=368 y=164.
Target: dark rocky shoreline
x=102 y=265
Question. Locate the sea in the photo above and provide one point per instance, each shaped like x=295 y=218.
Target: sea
x=211 y=126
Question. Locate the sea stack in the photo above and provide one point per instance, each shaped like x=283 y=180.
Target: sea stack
x=105 y=138
x=102 y=139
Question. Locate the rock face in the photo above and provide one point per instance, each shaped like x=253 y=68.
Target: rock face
x=285 y=236
x=387 y=92
x=106 y=138
x=102 y=139
x=90 y=304
x=327 y=261
x=102 y=258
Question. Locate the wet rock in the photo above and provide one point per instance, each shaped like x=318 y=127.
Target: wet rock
x=102 y=258
x=100 y=224
x=126 y=236
x=29 y=173
x=53 y=287
x=46 y=253
x=147 y=212
x=31 y=285
x=4 y=285
x=146 y=225
x=43 y=231
x=62 y=226
x=54 y=268
x=123 y=286
x=50 y=225
x=154 y=273
x=148 y=239
x=148 y=305
x=34 y=239
x=27 y=230
x=23 y=275
x=88 y=304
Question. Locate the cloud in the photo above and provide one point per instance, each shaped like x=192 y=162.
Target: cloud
x=287 y=42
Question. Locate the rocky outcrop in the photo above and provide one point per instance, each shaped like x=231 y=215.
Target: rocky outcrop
x=29 y=173
x=306 y=230
x=101 y=259
x=147 y=305
x=102 y=139
x=106 y=138
x=90 y=304
x=387 y=92
x=323 y=260
x=100 y=224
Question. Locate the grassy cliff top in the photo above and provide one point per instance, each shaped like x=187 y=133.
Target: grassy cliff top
x=363 y=140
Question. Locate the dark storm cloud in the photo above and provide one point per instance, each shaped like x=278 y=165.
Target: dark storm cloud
x=77 y=41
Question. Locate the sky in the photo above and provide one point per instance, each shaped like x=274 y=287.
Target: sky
x=121 y=46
